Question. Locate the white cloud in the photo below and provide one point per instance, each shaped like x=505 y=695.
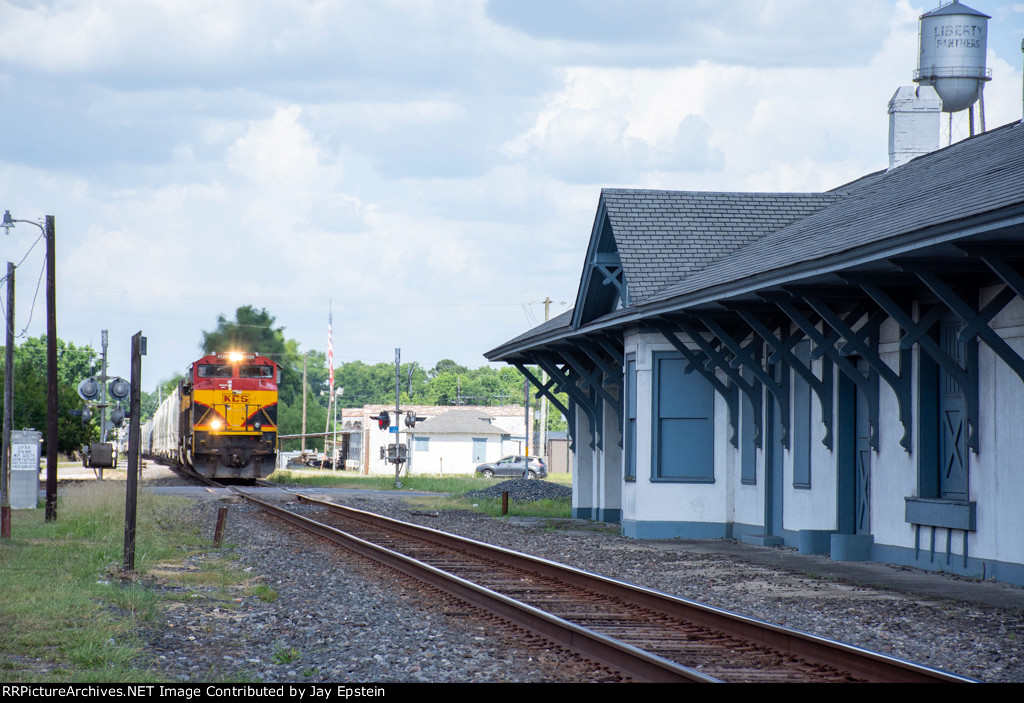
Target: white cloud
x=428 y=168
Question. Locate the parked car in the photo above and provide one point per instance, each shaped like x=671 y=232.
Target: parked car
x=514 y=467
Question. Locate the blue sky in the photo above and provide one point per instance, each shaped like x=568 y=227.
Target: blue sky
x=431 y=167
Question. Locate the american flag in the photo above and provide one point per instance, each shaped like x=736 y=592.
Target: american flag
x=330 y=353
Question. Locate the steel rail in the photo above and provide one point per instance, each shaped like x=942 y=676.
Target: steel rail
x=860 y=662
x=630 y=660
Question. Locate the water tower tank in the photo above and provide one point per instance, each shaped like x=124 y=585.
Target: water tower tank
x=954 y=39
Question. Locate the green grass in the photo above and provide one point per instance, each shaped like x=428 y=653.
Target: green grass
x=456 y=483
x=68 y=613
x=450 y=489
x=286 y=656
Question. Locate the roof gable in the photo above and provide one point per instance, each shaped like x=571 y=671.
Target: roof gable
x=603 y=286
x=644 y=241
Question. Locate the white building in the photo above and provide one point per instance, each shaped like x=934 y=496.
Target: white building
x=841 y=371
x=444 y=439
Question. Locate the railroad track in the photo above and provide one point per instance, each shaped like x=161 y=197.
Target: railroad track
x=646 y=635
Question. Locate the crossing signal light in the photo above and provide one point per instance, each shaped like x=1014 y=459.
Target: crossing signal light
x=119 y=388
x=89 y=389
x=383 y=420
x=117 y=416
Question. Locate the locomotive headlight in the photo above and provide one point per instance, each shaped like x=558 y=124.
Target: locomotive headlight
x=215 y=424
x=235 y=356
x=257 y=424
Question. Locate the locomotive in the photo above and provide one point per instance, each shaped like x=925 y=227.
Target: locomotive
x=221 y=420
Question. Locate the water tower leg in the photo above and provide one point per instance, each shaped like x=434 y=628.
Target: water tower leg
x=981 y=106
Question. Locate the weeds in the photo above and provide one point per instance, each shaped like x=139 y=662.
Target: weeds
x=265 y=593
x=285 y=656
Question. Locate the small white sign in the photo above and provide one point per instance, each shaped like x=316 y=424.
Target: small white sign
x=23 y=457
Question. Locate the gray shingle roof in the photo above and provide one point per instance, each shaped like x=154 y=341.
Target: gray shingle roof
x=676 y=245
x=663 y=236
x=970 y=178
x=463 y=422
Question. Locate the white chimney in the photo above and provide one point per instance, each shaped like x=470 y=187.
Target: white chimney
x=913 y=123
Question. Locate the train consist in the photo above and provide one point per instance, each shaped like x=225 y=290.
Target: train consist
x=221 y=420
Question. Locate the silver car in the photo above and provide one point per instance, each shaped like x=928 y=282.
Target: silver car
x=514 y=466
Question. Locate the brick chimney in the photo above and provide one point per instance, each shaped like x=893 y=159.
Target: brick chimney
x=913 y=123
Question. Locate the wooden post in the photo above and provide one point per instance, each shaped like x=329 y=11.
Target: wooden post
x=218 y=532
x=5 y=476
x=134 y=436
x=51 y=370
x=504 y=503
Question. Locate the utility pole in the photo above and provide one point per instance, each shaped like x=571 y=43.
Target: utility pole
x=543 y=399
x=51 y=370
x=49 y=234
x=398 y=409
x=5 y=476
x=304 y=404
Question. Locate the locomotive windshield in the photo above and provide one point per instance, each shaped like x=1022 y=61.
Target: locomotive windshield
x=255 y=371
x=214 y=371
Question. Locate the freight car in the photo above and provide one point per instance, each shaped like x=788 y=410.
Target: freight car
x=221 y=420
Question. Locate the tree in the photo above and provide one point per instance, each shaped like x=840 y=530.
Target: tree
x=30 y=384
x=252 y=330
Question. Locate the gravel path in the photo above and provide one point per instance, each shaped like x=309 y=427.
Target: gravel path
x=343 y=620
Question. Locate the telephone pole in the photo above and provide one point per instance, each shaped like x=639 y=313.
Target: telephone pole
x=543 y=399
x=304 y=404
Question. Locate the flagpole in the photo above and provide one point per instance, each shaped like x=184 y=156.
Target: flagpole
x=330 y=383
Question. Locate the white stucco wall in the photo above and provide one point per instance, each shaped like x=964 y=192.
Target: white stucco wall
x=893 y=469
x=452 y=454
x=669 y=501
x=813 y=508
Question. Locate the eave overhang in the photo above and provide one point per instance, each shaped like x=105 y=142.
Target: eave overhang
x=1002 y=226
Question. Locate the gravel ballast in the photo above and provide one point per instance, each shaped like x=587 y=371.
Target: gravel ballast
x=336 y=618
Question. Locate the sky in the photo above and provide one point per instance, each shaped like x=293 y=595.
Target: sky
x=426 y=171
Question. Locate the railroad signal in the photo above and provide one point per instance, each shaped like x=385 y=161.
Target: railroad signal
x=411 y=419
x=117 y=416
x=88 y=389
x=384 y=420
x=119 y=388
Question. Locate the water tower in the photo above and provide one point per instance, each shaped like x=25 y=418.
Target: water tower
x=953 y=41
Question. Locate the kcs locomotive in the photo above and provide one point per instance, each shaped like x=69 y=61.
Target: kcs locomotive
x=221 y=420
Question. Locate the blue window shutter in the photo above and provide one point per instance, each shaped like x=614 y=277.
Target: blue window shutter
x=629 y=432
x=683 y=427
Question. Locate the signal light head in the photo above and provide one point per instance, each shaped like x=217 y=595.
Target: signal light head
x=119 y=388
x=89 y=389
x=384 y=420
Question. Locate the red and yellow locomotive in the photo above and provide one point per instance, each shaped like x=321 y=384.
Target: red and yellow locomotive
x=227 y=416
